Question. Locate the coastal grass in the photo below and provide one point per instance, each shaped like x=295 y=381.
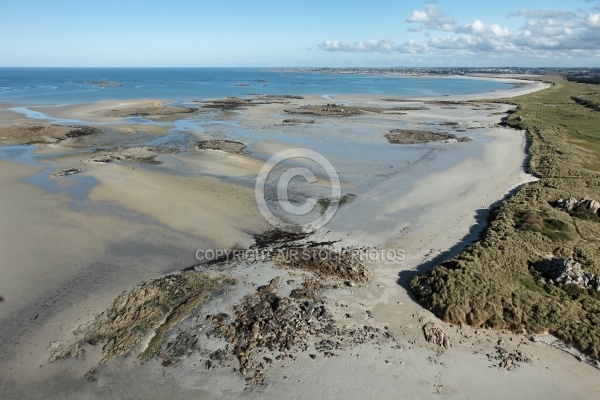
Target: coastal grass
x=493 y=283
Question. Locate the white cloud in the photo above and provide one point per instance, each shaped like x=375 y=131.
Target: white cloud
x=593 y=21
x=544 y=33
x=374 y=46
x=362 y=46
x=478 y=28
x=432 y=18
x=542 y=14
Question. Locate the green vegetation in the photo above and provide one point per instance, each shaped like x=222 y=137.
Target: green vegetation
x=589 y=103
x=555 y=229
x=593 y=79
x=492 y=283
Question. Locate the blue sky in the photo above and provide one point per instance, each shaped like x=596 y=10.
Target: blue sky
x=300 y=33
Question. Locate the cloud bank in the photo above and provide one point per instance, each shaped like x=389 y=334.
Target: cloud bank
x=545 y=33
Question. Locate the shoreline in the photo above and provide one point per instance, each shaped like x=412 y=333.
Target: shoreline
x=382 y=303
x=557 y=153
x=530 y=80
x=89 y=111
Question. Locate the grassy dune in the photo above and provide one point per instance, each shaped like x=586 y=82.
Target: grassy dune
x=493 y=283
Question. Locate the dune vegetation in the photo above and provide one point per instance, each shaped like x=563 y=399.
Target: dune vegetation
x=493 y=283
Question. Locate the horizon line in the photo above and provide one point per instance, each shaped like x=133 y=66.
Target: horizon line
x=307 y=67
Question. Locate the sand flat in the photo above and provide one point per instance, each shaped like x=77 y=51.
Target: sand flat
x=142 y=221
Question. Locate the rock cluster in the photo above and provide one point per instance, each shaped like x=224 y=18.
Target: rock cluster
x=59 y=350
x=411 y=136
x=567 y=271
x=76 y=131
x=298 y=121
x=332 y=109
x=235 y=103
x=586 y=205
x=506 y=360
x=47 y=133
x=147 y=308
x=228 y=146
x=434 y=334
x=267 y=327
x=156 y=110
x=282 y=96
x=141 y=154
x=67 y=172
x=326 y=263
x=265 y=321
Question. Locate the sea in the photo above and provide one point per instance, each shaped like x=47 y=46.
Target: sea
x=31 y=91
x=30 y=86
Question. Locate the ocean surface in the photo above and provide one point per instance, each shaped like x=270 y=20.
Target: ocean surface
x=29 y=86
x=31 y=91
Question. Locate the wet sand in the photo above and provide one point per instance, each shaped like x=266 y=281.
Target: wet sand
x=66 y=258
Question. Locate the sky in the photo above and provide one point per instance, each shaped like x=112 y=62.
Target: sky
x=232 y=33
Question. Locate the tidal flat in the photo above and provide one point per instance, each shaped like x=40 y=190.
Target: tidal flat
x=95 y=302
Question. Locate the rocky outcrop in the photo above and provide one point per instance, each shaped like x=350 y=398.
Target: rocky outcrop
x=43 y=133
x=266 y=321
x=235 y=103
x=332 y=109
x=282 y=96
x=139 y=154
x=569 y=272
x=298 y=121
x=268 y=327
x=156 y=110
x=434 y=334
x=67 y=172
x=506 y=360
x=228 y=104
x=59 y=350
x=585 y=204
x=410 y=136
x=228 y=146
x=148 y=310
x=326 y=263
x=76 y=131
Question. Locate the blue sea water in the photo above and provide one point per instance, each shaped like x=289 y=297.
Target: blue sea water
x=76 y=85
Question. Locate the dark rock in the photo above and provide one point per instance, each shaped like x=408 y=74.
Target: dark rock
x=434 y=334
x=344 y=265
x=228 y=146
x=409 y=136
x=508 y=361
x=567 y=271
x=70 y=171
x=78 y=131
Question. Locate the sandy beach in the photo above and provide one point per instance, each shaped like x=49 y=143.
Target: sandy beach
x=146 y=195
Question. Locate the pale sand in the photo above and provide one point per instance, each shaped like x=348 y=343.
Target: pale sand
x=198 y=206
x=93 y=112
x=64 y=264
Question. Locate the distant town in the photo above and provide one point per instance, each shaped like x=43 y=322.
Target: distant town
x=583 y=75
